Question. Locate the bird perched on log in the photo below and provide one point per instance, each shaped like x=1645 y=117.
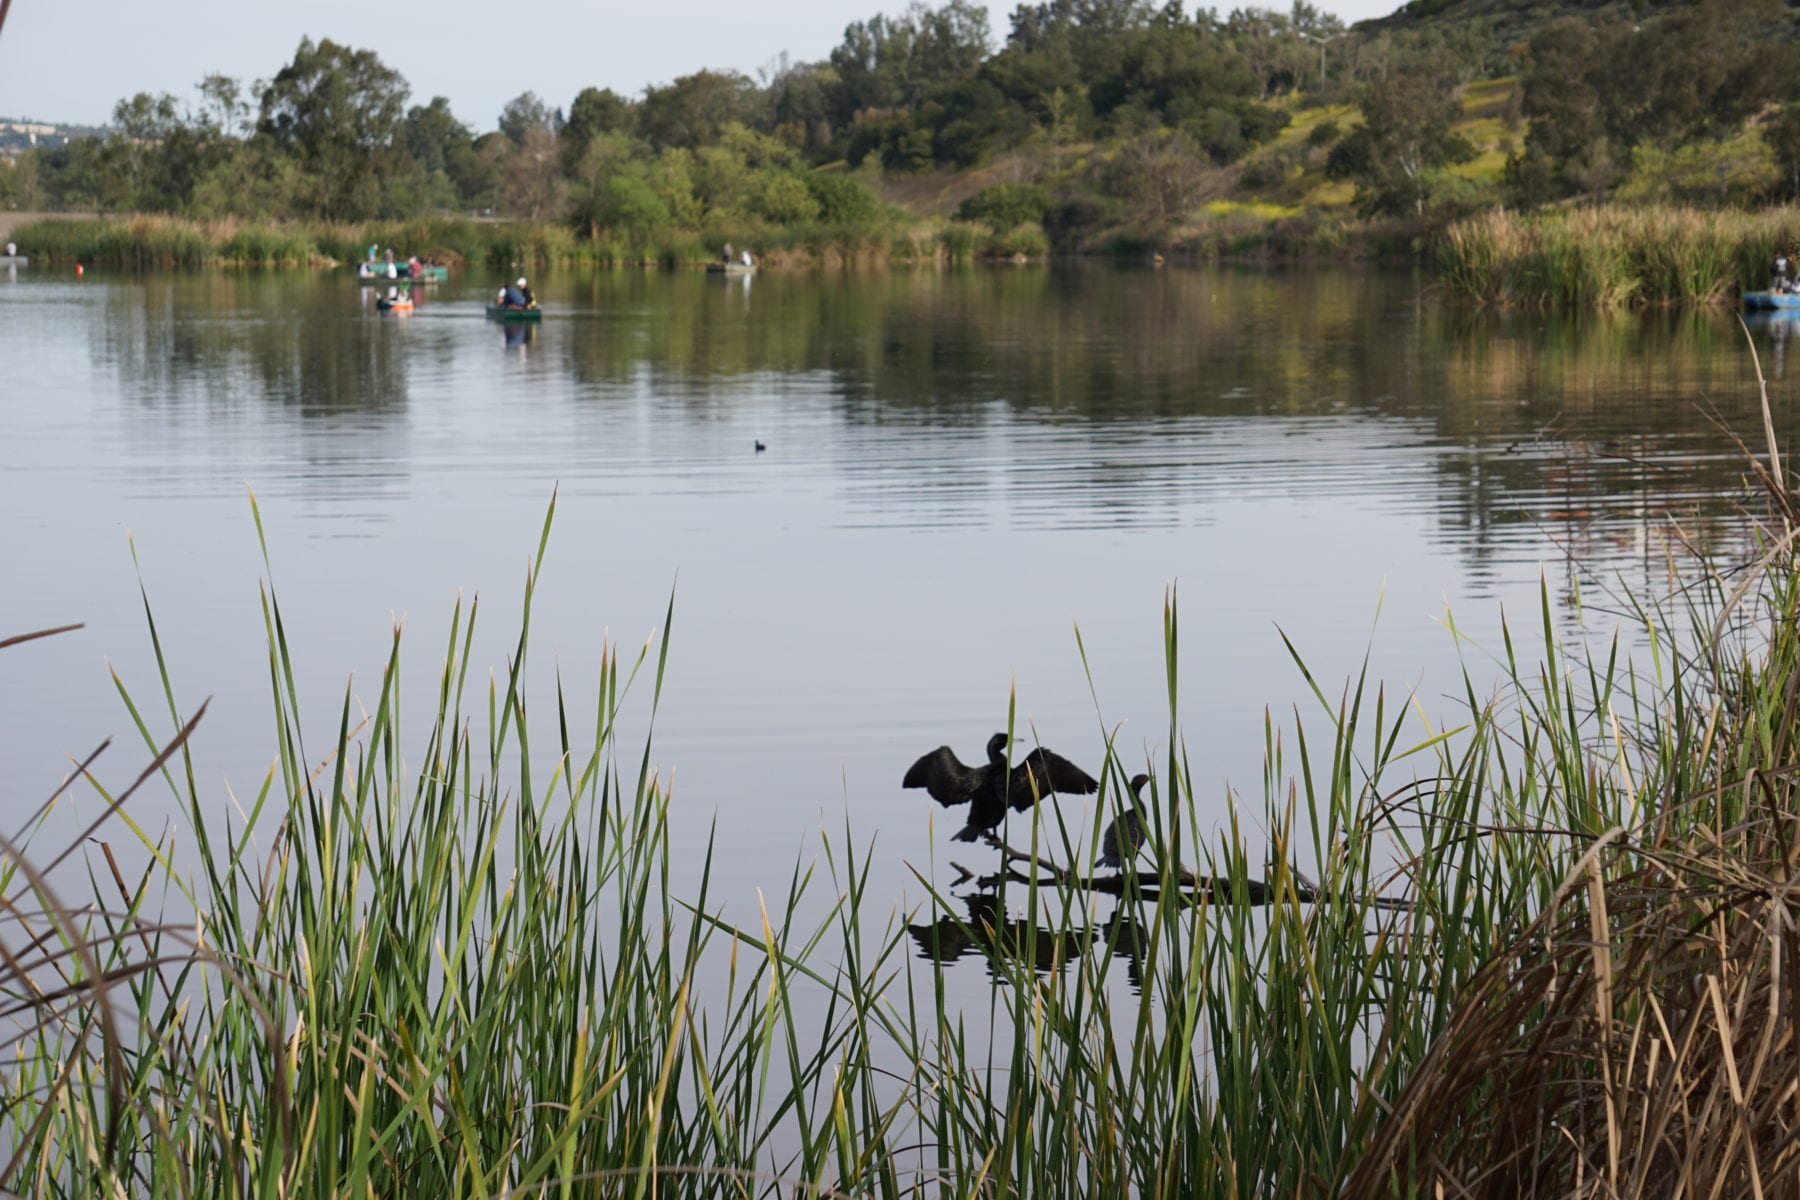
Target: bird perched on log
x=1125 y=836
x=990 y=788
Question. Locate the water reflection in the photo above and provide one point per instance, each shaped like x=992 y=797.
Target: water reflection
x=1045 y=946
x=1084 y=397
x=303 y=344
x=517 y=335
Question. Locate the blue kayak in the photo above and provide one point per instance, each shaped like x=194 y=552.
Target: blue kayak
x=1763 y=300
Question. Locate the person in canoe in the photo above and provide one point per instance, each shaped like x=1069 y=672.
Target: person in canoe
x=516 y=295
x=727 y=258
x=1782 y=272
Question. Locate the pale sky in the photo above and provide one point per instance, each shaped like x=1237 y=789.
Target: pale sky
x=70 y=60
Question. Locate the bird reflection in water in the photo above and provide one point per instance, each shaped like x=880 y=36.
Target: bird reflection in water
x=990 y=934
x=517 y=335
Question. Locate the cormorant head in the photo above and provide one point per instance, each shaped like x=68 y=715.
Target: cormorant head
x=997 y=748
x=1137 y=784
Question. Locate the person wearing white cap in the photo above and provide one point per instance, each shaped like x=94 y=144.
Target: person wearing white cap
x=530 y=300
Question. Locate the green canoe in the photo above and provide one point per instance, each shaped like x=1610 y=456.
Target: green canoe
x=501 y=313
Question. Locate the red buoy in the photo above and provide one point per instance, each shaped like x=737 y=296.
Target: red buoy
x=78 y=271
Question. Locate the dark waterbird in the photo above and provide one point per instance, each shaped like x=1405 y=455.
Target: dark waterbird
x=759 y=446
x=988 y=789
x=1125 y=836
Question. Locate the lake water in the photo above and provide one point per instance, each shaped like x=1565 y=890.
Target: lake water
x=961 y=469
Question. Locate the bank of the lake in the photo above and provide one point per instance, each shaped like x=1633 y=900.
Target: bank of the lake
x=1603 y=256
x=150 y=240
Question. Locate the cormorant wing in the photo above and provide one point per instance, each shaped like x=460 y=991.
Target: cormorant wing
x=943 y=775
x=1042 y=772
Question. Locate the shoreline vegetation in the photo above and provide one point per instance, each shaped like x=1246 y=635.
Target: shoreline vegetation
x=1523 y=150
x=1544 y=945
x=1606 y=256
x=149 y=241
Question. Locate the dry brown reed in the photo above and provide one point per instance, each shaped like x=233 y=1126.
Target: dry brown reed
x=1642 y=1036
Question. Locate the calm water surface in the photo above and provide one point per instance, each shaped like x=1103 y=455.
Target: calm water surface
x=961 y=469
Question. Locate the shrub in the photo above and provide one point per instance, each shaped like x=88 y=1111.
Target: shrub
x=842 y=199
x=1006 y=205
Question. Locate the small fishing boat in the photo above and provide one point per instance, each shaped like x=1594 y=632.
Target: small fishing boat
x=731 y=268
x=1757 y=301
x=399 y=304
x=503 y=312
x=378 y=272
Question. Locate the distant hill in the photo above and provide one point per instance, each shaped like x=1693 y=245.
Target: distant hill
x=1520 y=16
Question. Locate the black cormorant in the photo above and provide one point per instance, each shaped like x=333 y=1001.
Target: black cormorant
x=1125 y=836
x=988 y=789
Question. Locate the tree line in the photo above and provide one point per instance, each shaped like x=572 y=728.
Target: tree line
x=1132 y=112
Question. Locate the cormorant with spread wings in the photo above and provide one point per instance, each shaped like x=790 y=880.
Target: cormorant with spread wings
x=990 y=788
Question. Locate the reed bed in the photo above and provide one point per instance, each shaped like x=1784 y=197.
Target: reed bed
x=1541 y=950
x=1610 y=256
x=164 y=241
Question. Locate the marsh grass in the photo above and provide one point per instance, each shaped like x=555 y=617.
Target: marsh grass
x=163 y=241
x=463 y=970
x=1613 y=255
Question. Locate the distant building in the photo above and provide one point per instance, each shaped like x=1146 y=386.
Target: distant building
x=18 y=134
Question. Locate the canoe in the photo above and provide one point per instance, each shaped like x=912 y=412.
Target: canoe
x=725 y=268
x=501 y=313
x=1765 y=300
x=378 y=273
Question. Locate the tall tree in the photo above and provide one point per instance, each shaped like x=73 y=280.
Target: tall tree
x=524 y=114
x=595 y=111
x=1405 y=137
x=692 y=110
x=339 y=111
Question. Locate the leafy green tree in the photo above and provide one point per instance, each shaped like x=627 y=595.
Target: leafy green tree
x=889 y=63
x=692 y=110
x=1006 y=205
x=1783 y=134
x=525 y=114
x=339 y=112
x=255 y=179
x=432 y=135
x=531 y=186
x=20 y=190
x=595 y=111
x=1404 y=141
x=842 y=199
x=800 y=99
